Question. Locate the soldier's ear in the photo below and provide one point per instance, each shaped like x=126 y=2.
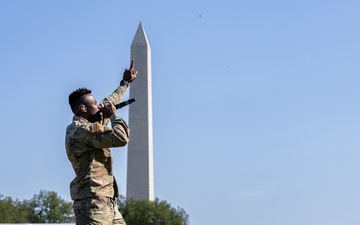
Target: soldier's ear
x=82 y=108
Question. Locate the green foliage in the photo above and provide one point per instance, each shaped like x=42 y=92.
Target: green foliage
x=143 y=212
x=14 y=211
x=50 y=208
x=46 y=207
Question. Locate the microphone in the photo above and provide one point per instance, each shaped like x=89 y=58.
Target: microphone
x=125 y=103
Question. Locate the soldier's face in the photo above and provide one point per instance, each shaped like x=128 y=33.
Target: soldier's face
x=91 y=105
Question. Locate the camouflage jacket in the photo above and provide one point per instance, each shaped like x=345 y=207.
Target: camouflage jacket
x=87 y=147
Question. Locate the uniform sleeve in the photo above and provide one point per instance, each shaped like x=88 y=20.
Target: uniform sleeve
x=114 y=98
x=100 y=136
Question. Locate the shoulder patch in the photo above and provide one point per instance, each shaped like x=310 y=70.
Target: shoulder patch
x=95 y=127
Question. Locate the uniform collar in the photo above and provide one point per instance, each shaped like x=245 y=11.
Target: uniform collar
x=80 y=119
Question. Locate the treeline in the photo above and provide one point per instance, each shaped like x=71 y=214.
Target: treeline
x=48 y=207
x=45 y=207
x=143 y=212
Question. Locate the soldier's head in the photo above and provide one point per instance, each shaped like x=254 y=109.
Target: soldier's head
x=83 y=104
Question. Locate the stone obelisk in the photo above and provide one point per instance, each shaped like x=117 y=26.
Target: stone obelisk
x=140 y=169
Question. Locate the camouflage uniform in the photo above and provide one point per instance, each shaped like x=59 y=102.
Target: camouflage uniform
x=87 y=146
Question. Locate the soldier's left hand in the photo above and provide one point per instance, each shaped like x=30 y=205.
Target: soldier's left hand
x=130 y=74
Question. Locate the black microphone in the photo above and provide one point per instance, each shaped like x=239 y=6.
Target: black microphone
x=125 y=103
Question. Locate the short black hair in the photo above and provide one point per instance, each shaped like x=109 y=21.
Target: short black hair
x=75 y=96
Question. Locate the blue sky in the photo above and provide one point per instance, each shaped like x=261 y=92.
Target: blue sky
x=255 y=103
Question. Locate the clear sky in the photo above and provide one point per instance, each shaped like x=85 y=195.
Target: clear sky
x=255 y=103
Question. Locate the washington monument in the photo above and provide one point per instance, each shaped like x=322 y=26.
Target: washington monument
x=140 y=169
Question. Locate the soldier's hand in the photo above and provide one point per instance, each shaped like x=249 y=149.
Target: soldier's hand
x=108 y=110
x=130 y=74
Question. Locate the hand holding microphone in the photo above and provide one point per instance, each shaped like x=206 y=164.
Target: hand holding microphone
x=110 y=109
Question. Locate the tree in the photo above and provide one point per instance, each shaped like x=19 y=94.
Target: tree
x=6 y=209
x=143 y=212
x=46 y=207
x=14 y=211
x=49 y=208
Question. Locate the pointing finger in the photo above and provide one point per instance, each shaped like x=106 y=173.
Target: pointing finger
x=132 y=64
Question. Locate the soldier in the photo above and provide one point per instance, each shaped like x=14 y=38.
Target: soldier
x=88 y=139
